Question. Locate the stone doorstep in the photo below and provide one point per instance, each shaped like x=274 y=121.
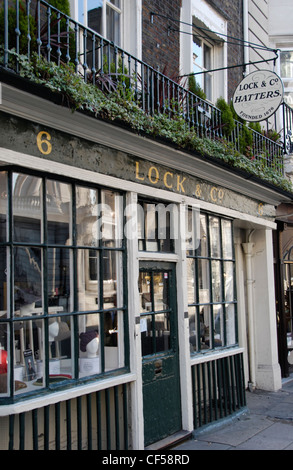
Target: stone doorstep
x=170 y=441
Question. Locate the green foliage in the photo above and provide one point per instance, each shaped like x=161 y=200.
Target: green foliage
x=195 y=88
x=227 y=116
x=117 y=107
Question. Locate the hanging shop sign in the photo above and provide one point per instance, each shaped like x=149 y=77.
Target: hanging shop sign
x=258 y=95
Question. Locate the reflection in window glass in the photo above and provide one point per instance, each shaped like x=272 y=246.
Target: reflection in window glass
x=27 y=213
x=59 y=279
x=4 y=358
x=27 y=280
x=88 y=217
x=89 y=345
x=58 y=200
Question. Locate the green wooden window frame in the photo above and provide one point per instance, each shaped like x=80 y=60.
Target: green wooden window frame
x=211 y=283
x=63 y=268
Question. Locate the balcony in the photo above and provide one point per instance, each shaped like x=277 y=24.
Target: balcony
x=42 y=44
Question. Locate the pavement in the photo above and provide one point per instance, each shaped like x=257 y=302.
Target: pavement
x=266 y=424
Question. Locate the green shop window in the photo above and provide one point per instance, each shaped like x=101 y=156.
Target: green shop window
x=62 y=314
x=212 y=305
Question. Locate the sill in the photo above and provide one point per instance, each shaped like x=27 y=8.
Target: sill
x=24 y=404
x=214 y=354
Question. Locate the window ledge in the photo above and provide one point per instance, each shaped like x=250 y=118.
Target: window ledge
x=68 y=394
x=200 y=357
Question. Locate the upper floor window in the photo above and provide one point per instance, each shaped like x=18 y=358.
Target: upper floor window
x=202 y=55
x=102 y=16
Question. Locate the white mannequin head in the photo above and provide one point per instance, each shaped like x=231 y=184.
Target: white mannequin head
x=53 y=331
x=92 y=347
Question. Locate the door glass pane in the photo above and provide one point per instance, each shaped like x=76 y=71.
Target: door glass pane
x=27 y=208
x=58 y=202
x=4 y=276
x=146 y=331
x=161 y=294
x=144 y=285
x=162 y=332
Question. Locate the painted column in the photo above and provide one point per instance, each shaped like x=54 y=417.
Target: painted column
x=267 y=370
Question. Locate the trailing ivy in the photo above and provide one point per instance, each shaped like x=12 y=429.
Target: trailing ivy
x=120 y=106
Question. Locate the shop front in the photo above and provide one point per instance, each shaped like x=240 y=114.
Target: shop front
x=135 y=284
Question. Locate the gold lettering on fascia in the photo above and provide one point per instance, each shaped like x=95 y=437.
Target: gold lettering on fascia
x=153 y=176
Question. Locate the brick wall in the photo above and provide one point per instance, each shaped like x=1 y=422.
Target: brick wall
x=159 y=49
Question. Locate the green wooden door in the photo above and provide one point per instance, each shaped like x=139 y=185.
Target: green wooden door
x=159 y=341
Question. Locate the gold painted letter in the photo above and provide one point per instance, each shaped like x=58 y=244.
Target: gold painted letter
x=165 y=179
x=137 y=172
x=156 y=179
x=180 y=184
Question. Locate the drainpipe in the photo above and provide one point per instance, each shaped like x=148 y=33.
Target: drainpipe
x=245 y=35
x=247 y=248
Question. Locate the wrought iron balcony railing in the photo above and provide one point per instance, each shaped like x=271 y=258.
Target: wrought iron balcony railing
x=34 y=26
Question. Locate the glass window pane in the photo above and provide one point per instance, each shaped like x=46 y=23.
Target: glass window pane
x=60 y=348
x=144 y=286
x=88 y=217
x=193 y=336
x=113 y=339
x=59 y=291
x=203 y=246
x=191 y=280
x=4 y=359
x=216 y=281
x=3 y=206
x=218 y=325
x=94 y=14
x=112 y=219
x=88 y=280
x=3 y=281
x=227 y=239
x=230 y=324
x=205 y=327
x=27 y=208
x=214 y=226
x=203 y=281
x=113 y=25
x=89 y=345
x=112 y=279
x=58 y=204
x=27 y=280
x=229 y=281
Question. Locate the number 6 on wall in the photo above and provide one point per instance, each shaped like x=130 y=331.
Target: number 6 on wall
x=44 y=146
